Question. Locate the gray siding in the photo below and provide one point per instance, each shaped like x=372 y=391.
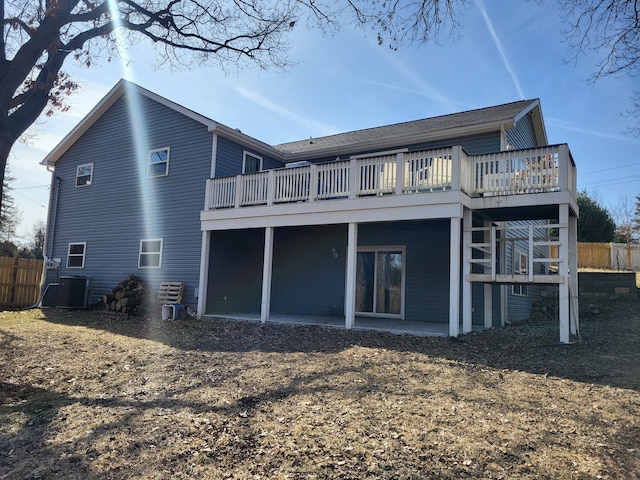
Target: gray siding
x=235 y=271
x=427 y=264
x=123 y=206
x=229 y=155
x=520 y=305
x=308 y=280
x=472 y=144
x=522 y=134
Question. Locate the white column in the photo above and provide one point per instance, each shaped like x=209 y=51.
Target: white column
x=573 y=273
x=350 y=280
x=563 y=271
x=265 y=305
x=504 y=298
x=204 y=273
x=454 y=278
x=353 y=177
x=488 y=288
x=467 y=297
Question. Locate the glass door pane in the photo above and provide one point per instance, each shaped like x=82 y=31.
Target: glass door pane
x=389 y=282
x=365 y=270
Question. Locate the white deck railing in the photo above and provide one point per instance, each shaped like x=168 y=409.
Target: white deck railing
x=515 y=172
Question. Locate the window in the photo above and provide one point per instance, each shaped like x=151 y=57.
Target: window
x=150 y=254
x=84 y=175
x=75 y=255
x=520 y=264
x=380 y=281
x=251 y=163
x=158 y=162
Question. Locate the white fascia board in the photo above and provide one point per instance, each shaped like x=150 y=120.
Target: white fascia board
x=360 y=210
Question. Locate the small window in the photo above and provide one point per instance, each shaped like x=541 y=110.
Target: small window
x=150 y=254
x=158 y=162
x=251 y=163
x=75 y=255
x=520 y=264
x=84 y=175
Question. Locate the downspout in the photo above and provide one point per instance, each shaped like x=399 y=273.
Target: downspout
x=53 y=212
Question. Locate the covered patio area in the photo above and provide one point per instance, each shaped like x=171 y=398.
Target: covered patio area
x=395 y=326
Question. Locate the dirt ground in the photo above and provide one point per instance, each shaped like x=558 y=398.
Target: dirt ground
x=86 y=394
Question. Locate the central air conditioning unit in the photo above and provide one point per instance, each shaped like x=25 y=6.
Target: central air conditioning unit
x=73 y=292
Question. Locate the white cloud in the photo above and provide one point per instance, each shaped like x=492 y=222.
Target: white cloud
x=323 y=128
x=500 y=47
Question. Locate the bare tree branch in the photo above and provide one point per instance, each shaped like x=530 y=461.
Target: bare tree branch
x=39 y=36
x=611 y=30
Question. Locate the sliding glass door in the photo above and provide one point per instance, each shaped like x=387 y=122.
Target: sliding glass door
x=380 y=281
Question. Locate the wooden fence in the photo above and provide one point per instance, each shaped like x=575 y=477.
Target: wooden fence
x=20 y=281
x=609 y=256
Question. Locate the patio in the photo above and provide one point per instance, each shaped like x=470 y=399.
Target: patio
x=397 y=327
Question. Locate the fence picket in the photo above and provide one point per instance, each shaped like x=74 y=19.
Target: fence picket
x=20 y=281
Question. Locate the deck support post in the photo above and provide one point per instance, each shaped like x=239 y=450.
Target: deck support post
x=204 y=273
x=504 y=299
x=267 y=267
x=574 y=315
x=563 y=270
x=487 y=287
x=454 y=278
x=467 y=297
x=350 y=281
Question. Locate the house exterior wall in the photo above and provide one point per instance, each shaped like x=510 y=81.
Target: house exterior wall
x=308 y=280
x=522 y=134
x=427 y=264
x=520 y=304
x=473 y=144
x=122 y=207
x=229 y=156
x=235 y=271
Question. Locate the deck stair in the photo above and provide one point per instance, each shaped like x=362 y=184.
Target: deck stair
x=534 y=240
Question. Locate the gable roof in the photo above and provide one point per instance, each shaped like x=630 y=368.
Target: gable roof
x=369 y=139
x=118 y=90
x=428 y=129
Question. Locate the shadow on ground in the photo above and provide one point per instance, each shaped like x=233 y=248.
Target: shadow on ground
x=607 y=352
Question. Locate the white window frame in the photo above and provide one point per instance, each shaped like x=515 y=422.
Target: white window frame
x=82 y=255
x=520 y=265
x=388 y=248
x=166 y=162
x=142 y=253
x=90 y=175
x=246 y=154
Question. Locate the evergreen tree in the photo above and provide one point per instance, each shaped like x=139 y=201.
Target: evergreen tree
x=595 y=223
x=9 y=213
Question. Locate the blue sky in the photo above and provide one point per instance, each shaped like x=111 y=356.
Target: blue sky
x=346 y=82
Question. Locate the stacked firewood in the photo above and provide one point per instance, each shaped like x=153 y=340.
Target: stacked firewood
x=126 y=297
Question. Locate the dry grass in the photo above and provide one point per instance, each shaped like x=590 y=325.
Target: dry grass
x=90 y=395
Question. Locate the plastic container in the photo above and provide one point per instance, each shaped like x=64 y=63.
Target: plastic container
x=174 y=312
